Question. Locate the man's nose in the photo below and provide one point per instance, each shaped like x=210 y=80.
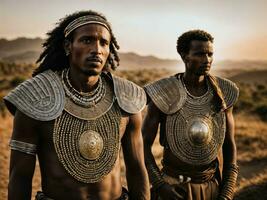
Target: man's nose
x=208 y=58
x=96 y=48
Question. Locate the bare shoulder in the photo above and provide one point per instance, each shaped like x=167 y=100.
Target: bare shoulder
x=25 y=128
x=229 y=110
x=229 y=113
x=133 y=121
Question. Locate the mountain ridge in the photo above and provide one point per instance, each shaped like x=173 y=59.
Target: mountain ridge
x=27 y=50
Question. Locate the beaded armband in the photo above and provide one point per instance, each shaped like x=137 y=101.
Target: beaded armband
x=23 y=147
x=229 y=181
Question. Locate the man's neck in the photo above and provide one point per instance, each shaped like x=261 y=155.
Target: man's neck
x=196 y=85
x=193 y=80
x=83 y=82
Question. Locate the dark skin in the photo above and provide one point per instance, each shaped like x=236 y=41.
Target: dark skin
x=197 y=64
x=89 y=51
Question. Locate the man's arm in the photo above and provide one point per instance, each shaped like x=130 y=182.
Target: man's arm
x=22 y=165
x=230 y=169
x=149 y=130
x=136 y=174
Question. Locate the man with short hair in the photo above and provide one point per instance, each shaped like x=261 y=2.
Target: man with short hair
x=194 y=111
x=75 y=115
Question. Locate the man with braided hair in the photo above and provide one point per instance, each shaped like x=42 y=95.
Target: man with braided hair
x=194 y=110
x=75 y=115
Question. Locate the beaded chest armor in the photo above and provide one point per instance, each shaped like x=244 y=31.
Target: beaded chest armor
x=86 y=136
x=194 y=130
x=86 y=131
x=88 y=149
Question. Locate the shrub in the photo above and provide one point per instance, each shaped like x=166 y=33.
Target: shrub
x=17 y=80
x=261 y=110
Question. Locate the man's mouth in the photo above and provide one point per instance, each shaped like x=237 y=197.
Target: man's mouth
x=205 y=67
x=94 y=59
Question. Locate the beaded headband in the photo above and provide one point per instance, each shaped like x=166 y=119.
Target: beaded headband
x=83 y=20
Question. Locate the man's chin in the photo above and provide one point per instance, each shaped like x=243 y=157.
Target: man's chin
x=91 y=72
x=203 y=73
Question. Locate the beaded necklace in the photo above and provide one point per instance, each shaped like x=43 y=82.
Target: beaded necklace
x=83 y=99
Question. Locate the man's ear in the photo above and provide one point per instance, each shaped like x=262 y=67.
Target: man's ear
x=67 y=47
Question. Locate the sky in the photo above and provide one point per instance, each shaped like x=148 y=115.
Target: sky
x=151 y=27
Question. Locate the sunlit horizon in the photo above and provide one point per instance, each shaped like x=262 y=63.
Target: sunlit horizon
x=151 y=28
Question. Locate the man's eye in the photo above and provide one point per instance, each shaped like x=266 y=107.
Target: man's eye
x=86 y=41
x=104 y=42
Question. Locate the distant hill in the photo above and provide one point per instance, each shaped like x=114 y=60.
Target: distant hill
x=27 y=50
x=247 y=65
x=19 y=46
x=233 y=69
x=258 y=76
x=135 y=61
x=23 y=57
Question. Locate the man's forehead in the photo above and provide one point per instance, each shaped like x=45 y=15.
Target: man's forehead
x=201 y=45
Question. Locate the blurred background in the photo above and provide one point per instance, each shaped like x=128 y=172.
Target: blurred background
x=147 y=32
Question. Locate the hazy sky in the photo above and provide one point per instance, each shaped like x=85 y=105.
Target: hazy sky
x=151 y=27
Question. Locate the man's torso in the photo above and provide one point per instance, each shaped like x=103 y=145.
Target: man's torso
x=56 y=180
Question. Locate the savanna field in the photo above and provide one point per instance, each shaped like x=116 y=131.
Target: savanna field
x=250 y=119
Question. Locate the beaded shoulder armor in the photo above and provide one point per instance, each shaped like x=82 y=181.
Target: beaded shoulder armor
x=130 y=97
x=230 y=91
x=167 y=94
x=41 y=97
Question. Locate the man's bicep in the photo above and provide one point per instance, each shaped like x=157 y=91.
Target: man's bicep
x=229 y=146
x=132 y=142
x=24 y=128
x=230 y=125
x=23 y=145
x=151 y=123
